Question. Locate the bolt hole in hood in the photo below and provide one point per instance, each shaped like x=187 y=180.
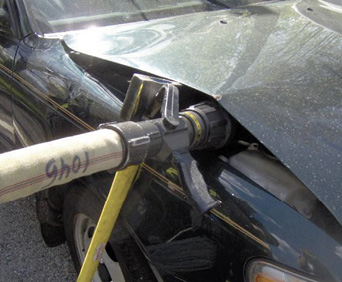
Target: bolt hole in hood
x=276 y=69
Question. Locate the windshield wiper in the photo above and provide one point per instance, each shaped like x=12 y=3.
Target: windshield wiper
x=219 y=3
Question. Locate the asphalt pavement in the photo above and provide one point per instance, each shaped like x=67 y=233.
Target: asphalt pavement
x=23 y=253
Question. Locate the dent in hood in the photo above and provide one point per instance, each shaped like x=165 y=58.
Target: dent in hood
x=278 y=72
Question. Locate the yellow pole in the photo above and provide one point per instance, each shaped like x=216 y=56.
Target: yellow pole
x=122 y=183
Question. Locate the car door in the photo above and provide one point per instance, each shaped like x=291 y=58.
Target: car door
x=8 y=47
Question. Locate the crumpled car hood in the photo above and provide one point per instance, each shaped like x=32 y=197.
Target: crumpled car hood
x=276 y=71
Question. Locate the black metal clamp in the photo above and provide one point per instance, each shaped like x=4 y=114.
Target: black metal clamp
x=198 y=127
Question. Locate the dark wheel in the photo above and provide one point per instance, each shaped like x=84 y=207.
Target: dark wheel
x=120 y=261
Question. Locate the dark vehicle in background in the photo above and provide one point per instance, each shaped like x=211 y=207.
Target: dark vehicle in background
x=274 y=67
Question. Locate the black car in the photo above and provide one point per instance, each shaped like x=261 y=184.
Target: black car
x=274 y=67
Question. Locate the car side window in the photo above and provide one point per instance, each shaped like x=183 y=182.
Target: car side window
x=5 y=25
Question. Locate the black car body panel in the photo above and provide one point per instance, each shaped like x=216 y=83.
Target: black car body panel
x=273 y=68
x=250 y=223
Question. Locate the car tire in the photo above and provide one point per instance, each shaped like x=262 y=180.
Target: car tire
x=121 y=261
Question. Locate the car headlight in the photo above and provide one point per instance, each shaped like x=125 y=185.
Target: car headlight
x=263 y=271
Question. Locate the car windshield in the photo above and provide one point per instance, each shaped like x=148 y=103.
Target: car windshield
x=65 y=15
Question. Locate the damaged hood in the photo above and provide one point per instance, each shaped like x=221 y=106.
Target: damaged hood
x=271 y=66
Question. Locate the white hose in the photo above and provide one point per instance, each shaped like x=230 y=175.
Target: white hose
x=32 y=169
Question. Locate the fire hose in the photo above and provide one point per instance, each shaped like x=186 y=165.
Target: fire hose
x=122 y=146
